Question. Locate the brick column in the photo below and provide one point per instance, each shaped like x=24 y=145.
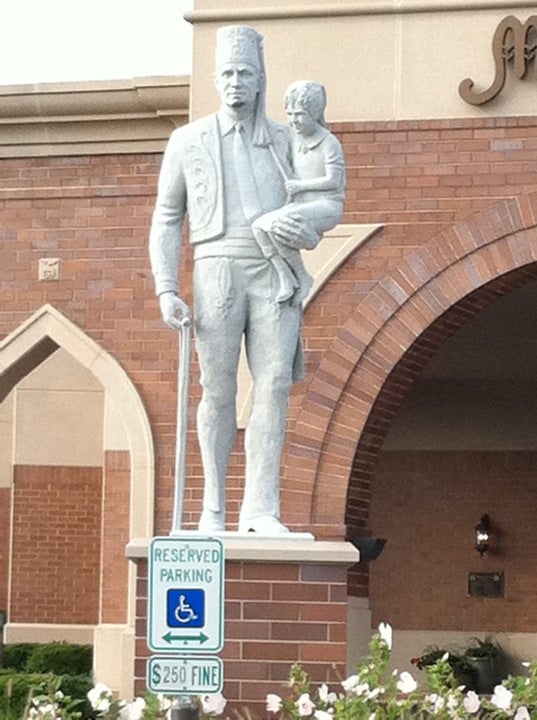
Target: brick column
x=285 y=602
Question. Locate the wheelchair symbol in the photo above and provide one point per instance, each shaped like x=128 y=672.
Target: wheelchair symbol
x=183 y=612
x=185 y=608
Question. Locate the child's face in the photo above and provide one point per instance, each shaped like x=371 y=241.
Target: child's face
x=300 y=120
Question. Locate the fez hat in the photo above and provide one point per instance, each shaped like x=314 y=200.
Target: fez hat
x=243 y=44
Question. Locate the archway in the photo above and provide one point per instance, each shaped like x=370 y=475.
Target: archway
x=490 y=252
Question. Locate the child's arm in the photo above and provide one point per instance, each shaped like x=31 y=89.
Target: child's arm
x=330 y=181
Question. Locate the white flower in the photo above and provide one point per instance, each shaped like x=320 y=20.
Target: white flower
x=374 y=693
x=325 y=696
x=502 y=697
x=44 y=710
x=437 y=702
x=386 y=633
x=406 y=683
x=350 y=683
x=214 y=704
x=522 y=713
x=322 y=715
x=305 y=705
x=100 y=697
x=471 y=702
x=133 y=710
x=164 y=703
x=274 y=703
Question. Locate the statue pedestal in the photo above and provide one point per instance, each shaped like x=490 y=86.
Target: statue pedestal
x=285 y=603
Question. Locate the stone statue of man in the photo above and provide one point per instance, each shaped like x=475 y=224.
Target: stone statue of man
x=226 y=170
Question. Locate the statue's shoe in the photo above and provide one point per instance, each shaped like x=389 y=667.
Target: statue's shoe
x=263 y=525
x=211 y=521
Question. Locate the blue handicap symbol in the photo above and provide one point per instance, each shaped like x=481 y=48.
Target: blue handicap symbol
x=185 y=608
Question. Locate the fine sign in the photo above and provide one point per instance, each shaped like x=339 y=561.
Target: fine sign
x=184 y=675
x=186 y=593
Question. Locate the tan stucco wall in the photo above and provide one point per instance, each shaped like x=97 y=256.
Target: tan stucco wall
x=59 y=415
x=380 y=60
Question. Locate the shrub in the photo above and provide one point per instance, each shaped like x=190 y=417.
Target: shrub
x=14 y=691
x=60 y=659
x=17 y=688
x=15 y=656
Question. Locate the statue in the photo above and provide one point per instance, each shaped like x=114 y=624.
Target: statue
x=315 y=192
x=228 y=170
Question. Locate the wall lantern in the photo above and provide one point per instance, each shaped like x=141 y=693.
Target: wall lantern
x=482 y=534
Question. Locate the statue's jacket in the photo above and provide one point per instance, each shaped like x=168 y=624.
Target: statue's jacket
x=192 y=181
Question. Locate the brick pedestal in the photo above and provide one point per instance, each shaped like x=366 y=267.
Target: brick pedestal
x=285 y=602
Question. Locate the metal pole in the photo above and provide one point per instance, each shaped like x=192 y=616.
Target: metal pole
x=184 y=710
x=182 y=417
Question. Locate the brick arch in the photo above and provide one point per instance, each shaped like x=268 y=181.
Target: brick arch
x=399 y=324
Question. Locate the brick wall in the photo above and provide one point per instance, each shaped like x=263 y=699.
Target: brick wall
x=428 y=504
x=94 y=213
x=275 y=615
x=417 y=178
x=5 y=525
x=116 y=516
x=56 y=545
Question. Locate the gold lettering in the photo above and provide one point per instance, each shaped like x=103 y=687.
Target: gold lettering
x=512 y=43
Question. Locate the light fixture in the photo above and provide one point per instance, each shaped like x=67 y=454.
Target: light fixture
x=482 y=535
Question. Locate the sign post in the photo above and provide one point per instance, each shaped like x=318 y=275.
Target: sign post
x=185 y=614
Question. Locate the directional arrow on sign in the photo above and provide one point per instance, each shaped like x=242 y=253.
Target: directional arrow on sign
x=170 y=637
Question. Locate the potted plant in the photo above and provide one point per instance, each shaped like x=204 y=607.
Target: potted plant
x=481 y=654
x=463 y=671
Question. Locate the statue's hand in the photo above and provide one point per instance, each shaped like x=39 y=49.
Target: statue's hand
x=293 y=187
x=296 y=232
x=289 y=229
x=175 y=312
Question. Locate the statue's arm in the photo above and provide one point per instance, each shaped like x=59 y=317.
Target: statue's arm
x=166 y=230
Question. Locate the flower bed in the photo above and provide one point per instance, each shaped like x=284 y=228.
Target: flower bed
x=372 y=693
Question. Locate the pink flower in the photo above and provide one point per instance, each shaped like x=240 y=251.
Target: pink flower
x=502 y=697
x=471 y=702
x=323 y=715
x=305 y=705
x=213 y=704
x=274 y=703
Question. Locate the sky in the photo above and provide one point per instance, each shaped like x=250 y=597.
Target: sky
x=71 y=40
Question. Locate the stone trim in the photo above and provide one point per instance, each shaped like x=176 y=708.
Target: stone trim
x=48 y=632
x=88 y=118
x=348 y=9
x=297 y=548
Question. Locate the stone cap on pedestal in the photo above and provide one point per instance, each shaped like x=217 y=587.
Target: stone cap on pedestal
x=292 y=548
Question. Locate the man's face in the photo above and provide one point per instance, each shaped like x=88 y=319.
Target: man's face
x=238 y=84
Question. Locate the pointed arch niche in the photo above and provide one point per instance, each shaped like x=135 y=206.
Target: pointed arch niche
x=77 y=461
